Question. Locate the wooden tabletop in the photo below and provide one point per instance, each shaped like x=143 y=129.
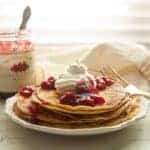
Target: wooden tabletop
x=15 y=137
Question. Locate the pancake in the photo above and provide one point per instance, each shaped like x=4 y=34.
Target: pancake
x=123 y=117
x=54 y=117
x=93 y=118
x=43 y=107
x=24 y=104
x=85 y=112
x=127 y=114
x=113 y=96
x=74 y=116
x=113 y=122
x=61 y=118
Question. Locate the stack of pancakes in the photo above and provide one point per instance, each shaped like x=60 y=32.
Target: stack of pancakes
x=44 y=108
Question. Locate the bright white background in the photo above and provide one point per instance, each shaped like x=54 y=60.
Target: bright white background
x=63 y=21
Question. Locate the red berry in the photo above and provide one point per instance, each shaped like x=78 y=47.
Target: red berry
x=21 y=66
x=69 y=98
x=69 y=95
x=26 y=91
x=108 y=81
x=52 y=81
x=92 y=82
x=29 y=88
x=101 y=86
x=47 y=85
x=98 y=100
x=93 y=90
x=100 y=83
x=51 y=78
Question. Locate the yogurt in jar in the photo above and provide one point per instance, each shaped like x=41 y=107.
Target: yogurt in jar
x=16 y=61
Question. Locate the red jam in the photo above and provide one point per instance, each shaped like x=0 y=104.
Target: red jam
x=26 y=91
x=7 y=47
x=20 y=67
x=98 y=100
x=34 y=109
x=48 y=84
x=70 y=98
x=84 y=95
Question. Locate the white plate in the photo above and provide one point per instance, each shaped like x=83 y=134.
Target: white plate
x=86 y=131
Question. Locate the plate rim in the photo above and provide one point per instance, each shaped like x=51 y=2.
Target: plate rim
x=85 y=131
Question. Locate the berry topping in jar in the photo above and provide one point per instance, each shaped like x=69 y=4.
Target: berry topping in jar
x=17 y=61
x=20 y=67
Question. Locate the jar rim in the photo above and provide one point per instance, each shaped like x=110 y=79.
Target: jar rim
x=14 y=33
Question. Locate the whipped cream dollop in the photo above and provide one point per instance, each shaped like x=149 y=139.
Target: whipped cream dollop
x=73 y=75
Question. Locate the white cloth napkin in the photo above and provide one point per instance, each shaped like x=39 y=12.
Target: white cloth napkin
x=124 y=57
x=118 y=55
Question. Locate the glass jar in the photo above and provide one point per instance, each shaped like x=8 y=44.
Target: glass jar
x=16 y=61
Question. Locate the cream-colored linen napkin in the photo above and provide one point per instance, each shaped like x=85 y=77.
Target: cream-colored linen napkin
x=122 y=57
